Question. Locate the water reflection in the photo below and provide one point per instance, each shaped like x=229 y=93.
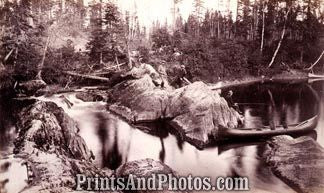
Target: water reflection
x=7 y=129
x=279 y=104
x=114 y=142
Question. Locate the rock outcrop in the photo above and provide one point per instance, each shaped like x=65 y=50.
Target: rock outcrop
x=92 y=96
x=30 y=87
x=54 y=152
x=195 y=111
x=299 y=162
x=147 y=168
x=145 y=101
x=143 y=168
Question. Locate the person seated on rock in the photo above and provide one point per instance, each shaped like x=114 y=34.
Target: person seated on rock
x=230 y=102
x=180 y=79
x=163 y=74
x=149 y=69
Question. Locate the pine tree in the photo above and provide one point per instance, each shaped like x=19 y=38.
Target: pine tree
x=107 y=35
x=20 y=40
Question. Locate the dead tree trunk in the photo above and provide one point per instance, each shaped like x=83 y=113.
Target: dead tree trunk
x=101 y=61
x=87 y=76
x=2 y=67
x=263 y=26
x=280 y=41
x=8 y=55
x=130 y=65
x=41 y=64
x=318 y=59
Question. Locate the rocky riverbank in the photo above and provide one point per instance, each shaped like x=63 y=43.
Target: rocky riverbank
x=51 y=149
x=53 y=153
x=49 y=143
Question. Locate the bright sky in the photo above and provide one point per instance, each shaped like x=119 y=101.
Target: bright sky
x=152 y=10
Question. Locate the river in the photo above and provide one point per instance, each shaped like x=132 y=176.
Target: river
x=114 y=142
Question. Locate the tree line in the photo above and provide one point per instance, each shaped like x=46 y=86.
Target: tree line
x=38 y=38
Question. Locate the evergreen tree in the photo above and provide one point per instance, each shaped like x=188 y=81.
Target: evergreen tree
x=20 y=40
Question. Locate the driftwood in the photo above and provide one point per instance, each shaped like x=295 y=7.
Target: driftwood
x=100 y=73
x=107 y=72
x=87 y=76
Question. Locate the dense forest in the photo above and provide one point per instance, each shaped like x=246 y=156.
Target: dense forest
x=44 y=39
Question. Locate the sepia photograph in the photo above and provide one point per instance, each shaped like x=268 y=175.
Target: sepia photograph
x=165 y=96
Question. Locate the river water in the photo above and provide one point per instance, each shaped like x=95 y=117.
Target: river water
x=114 y=142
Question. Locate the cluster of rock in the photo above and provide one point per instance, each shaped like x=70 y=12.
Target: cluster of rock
x=195 y=111
x=54 y=153
x=144 y=95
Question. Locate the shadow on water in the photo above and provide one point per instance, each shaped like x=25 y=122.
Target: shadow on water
x=7 y=128
x=111 y=157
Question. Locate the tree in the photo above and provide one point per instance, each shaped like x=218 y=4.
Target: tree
x=160 y=38
x=20 y=40
x=96 y=45
x=175 y=11
x=263 y=25
x=281 y=39
x=198 y=15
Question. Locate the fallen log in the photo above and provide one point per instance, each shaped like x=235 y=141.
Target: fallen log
x=87 y=76
x=107 y=72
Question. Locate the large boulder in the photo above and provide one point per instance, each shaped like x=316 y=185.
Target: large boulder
x=91 y=96
x=139 y=100
x=147 y=168
x=197 y=113
x=127 y=90
x=54 y=152
x=45 y=125
x=299 y=162
x=32 y=86
x=143 y=168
